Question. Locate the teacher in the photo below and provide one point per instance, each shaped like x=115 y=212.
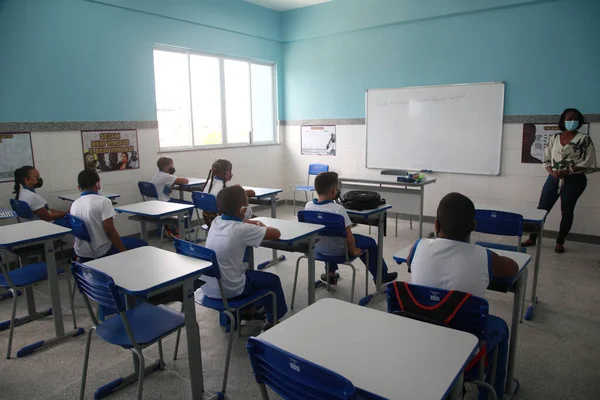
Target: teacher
x=567 y=158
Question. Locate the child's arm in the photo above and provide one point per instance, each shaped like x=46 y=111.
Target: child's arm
x=250 y=193
x=410 y=255
x=181 y=181
x=503 y=267
x=49 y=215
x=351 y=242
x=109 y=227
x=272 y=234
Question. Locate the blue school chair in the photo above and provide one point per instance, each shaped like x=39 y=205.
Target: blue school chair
x=204 y=202
x=134 y=329
x=293 y=377
x=334 y=227
x=500 y=223
x=22 y=210
x=466 y=313
x=223 y=305
x=313 y=169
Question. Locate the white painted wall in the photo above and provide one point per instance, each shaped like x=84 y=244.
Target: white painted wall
x=518 y=184
x=58 y=157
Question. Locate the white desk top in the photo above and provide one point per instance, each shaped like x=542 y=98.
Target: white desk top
x=154 y=208
x=11 y=235
x=291 y=231
x=522 y=259
x=529 y=214
x=391 y=356
x=147 y=269
x=193 y=182
x=75 y=195
x=381 y=208
x=385 y=180
x=262 y=192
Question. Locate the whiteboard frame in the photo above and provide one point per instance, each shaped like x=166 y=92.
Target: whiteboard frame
x=433 y=86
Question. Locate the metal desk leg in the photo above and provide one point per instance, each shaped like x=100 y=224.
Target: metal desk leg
x=181 y=224
x=538 y=252
x=276 y=259
x=421 y=212
x=311 y=269
x=511 y=384
x=180 y=192
x=378 y=286
x=193 y=341
x=457 y=389
x=144 y=231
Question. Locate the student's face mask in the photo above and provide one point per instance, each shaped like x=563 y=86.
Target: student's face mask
x=571 y=125
x=39 y=183
x=247 y=213
x=99 y=189
x=171 y=170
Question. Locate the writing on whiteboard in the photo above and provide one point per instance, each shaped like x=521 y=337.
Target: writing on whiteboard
x=453 y=97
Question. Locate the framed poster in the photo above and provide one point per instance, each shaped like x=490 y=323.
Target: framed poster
x=15 y=152
x=318 y=140
x=536 y=138
x=112 y=150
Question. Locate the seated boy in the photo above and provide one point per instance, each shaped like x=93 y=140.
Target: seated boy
x=164 y=179
x=450 y=261
x=326 y=186
x=229 y=236
x=98 y=214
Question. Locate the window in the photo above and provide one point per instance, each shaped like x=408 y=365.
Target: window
x=211 y=101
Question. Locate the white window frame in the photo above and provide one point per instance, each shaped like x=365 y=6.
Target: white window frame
x=222 y=59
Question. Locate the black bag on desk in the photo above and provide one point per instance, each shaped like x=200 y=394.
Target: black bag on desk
x=361 y=200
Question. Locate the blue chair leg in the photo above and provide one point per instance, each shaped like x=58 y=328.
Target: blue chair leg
x=12 y=322
x=228 y=356
x=86 y=358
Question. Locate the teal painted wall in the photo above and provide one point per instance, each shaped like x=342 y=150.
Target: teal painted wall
x=74 y=60
x=545 y=51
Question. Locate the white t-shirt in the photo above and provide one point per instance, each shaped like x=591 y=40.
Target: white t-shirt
x=163 y=182
x=217 y=186
x=93 y=210
x=229 y=239
x=451 y=265
x=330 y=246
x=34 y=200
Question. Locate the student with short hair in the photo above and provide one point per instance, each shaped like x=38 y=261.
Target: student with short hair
x=450 y=262
x=229 y=237
x=98 y=214
x=27 y=179
x=164 y=178
x=326 y=186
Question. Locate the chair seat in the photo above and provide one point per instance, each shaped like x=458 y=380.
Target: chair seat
x=147 y=322
x=234 y=302
x=27 y=275
x=333 y=259
x=499 y=246
x=305 y=188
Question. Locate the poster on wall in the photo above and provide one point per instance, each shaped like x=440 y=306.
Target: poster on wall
x=15 y=152
x=318 y=140
x=112 y=150
x=536 y=138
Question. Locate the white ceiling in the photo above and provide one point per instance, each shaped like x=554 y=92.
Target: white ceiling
x=284 y=5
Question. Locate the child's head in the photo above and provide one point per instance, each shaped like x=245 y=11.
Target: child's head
x=88 y=180
x=455 y=217
x=165 y=164
x=232 y=201
x=222 y=169
x=326 y=185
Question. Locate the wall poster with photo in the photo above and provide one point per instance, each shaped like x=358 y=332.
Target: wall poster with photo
x=536 y=138
x=110 y=150
x=318 y=140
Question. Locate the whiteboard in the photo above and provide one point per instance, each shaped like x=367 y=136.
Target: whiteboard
x=15 y=152
x=449 y=128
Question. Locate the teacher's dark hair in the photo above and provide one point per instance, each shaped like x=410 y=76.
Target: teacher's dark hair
x=579 y=116
x=20 y=175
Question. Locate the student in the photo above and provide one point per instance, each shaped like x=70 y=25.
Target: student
x=27 y=179
x=229 y=237
x=450 y=261
x=98 y=214
x=164 y=178
x=326 y=186
x=220 y=173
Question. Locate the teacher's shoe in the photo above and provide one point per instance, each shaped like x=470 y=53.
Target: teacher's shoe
x=528 y=243
x=559 y=248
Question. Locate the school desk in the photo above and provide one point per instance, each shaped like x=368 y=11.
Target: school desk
x=293 y=234
x=405 y=198
x=75 y=195
x=192 y=185
x=517 y=285
x=393 y=357
x=30 y=234
x=148 y=271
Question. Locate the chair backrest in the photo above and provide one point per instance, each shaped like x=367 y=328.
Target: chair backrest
x=202 y=253
x=316 y=169
x=293 y=377
x=96 y=286
x=334 y=223
x=21 y=208
x=205 y=201
x=148 y=190
x=78 y=228
x=471 y=317
x=499 y=223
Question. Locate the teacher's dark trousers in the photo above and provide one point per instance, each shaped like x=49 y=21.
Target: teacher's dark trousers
x=573 y=187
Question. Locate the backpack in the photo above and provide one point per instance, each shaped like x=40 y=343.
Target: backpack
x=361 y=200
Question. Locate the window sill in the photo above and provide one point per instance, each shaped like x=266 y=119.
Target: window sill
x=213 y=147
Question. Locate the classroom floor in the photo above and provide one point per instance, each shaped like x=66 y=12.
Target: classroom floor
x=558 y=355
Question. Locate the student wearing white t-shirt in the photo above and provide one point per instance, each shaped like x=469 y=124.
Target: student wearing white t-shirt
x=27 y=179
x=229 y=236
x=326 y=186
x=164 y=178
x=450 y=262
x=98 y=214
